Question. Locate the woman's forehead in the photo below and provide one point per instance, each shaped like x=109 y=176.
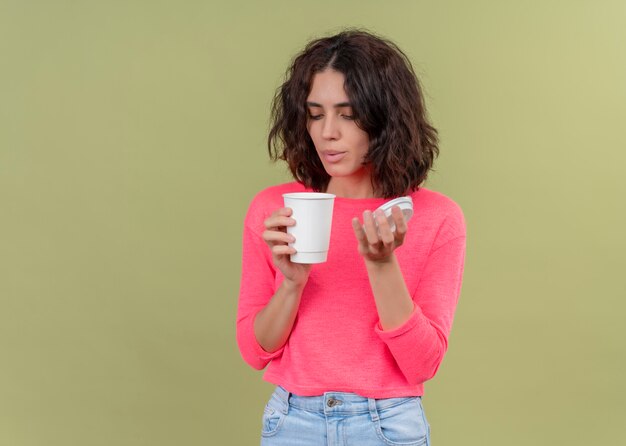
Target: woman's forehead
x=327 y=88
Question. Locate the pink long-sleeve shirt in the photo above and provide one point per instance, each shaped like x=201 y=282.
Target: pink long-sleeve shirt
x=337 y=342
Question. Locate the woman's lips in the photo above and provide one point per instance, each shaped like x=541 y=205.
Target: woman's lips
x=334 y=157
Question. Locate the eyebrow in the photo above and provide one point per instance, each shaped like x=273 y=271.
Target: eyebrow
x=339 y=105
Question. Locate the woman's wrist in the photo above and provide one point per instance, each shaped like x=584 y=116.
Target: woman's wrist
x=385 y=263
x=292 y=286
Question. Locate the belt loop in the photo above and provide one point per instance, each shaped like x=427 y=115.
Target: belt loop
x=287 y=397
x=284 y=396
x=371 y=402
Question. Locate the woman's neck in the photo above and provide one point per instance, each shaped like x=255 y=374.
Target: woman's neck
x=348 y=188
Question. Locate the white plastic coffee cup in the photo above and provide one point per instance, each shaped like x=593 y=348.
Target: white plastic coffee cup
x=313 y=213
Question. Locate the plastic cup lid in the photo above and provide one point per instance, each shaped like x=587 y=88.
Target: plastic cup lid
x=405 y=204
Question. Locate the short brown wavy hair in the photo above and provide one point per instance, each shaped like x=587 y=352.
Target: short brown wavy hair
x=387 y=103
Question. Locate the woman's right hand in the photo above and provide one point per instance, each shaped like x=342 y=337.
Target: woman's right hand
x=277 y=238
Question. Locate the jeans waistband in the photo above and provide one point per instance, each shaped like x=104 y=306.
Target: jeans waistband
x=338 y=402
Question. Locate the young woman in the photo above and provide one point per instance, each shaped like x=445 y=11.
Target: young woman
x=350 y=342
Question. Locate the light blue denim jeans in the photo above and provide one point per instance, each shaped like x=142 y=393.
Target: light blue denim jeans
x=342 y=419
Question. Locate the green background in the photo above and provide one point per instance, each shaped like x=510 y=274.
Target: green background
x=132 y=138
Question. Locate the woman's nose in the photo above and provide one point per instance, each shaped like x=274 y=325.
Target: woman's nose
x=330 y=129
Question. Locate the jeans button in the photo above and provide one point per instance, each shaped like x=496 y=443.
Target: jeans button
x=332 y=402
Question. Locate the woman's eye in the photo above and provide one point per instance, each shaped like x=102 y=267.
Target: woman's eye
x=315 y=117
x=349 y=117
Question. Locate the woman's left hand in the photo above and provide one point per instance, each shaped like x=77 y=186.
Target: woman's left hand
x=378 y=246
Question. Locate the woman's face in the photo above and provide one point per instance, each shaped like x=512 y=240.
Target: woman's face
x=339 y=142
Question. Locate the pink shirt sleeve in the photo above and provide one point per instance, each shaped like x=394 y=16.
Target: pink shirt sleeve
x=418 y=346
x=256 y=288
